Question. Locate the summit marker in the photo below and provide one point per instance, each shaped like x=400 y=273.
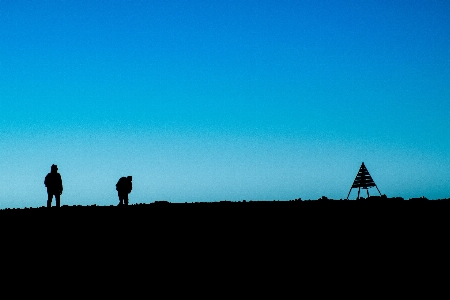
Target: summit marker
x=363 y=180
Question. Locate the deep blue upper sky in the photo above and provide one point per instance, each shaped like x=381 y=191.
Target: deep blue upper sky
x=214 y=100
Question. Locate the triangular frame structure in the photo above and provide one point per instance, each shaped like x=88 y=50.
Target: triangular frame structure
x=363 y=180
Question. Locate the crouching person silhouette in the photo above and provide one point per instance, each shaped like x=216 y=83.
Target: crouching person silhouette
x=124 y=187
x=53 y=182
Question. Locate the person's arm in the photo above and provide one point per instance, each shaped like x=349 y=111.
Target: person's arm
x=61 y=188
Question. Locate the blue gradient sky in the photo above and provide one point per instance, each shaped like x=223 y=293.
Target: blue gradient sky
x=215 y=100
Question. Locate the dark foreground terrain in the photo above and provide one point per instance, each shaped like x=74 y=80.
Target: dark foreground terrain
x=321 y=246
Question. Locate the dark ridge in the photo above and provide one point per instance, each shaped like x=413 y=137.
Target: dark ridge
x=235 y=204
x=245 y=236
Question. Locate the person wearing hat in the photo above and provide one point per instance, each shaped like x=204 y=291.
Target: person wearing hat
x=123 y=188
x=53 y=182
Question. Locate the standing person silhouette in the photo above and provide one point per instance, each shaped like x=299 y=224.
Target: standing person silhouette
x=124 y=187
x=53 y=182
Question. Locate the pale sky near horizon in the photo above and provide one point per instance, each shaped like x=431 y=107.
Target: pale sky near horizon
x=223 y=100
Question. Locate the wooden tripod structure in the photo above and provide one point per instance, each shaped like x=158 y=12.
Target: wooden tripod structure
x=363 y=180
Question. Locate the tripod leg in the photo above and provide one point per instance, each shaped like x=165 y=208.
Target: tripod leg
x=349 y=193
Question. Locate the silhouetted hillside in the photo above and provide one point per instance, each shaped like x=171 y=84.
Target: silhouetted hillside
x=178 y=237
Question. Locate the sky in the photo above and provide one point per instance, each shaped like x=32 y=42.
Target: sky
x=223 y=100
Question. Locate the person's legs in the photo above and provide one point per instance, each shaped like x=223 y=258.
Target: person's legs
x=49 y=199
x=120 y=199
x=58 y=198
x=125 y=198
